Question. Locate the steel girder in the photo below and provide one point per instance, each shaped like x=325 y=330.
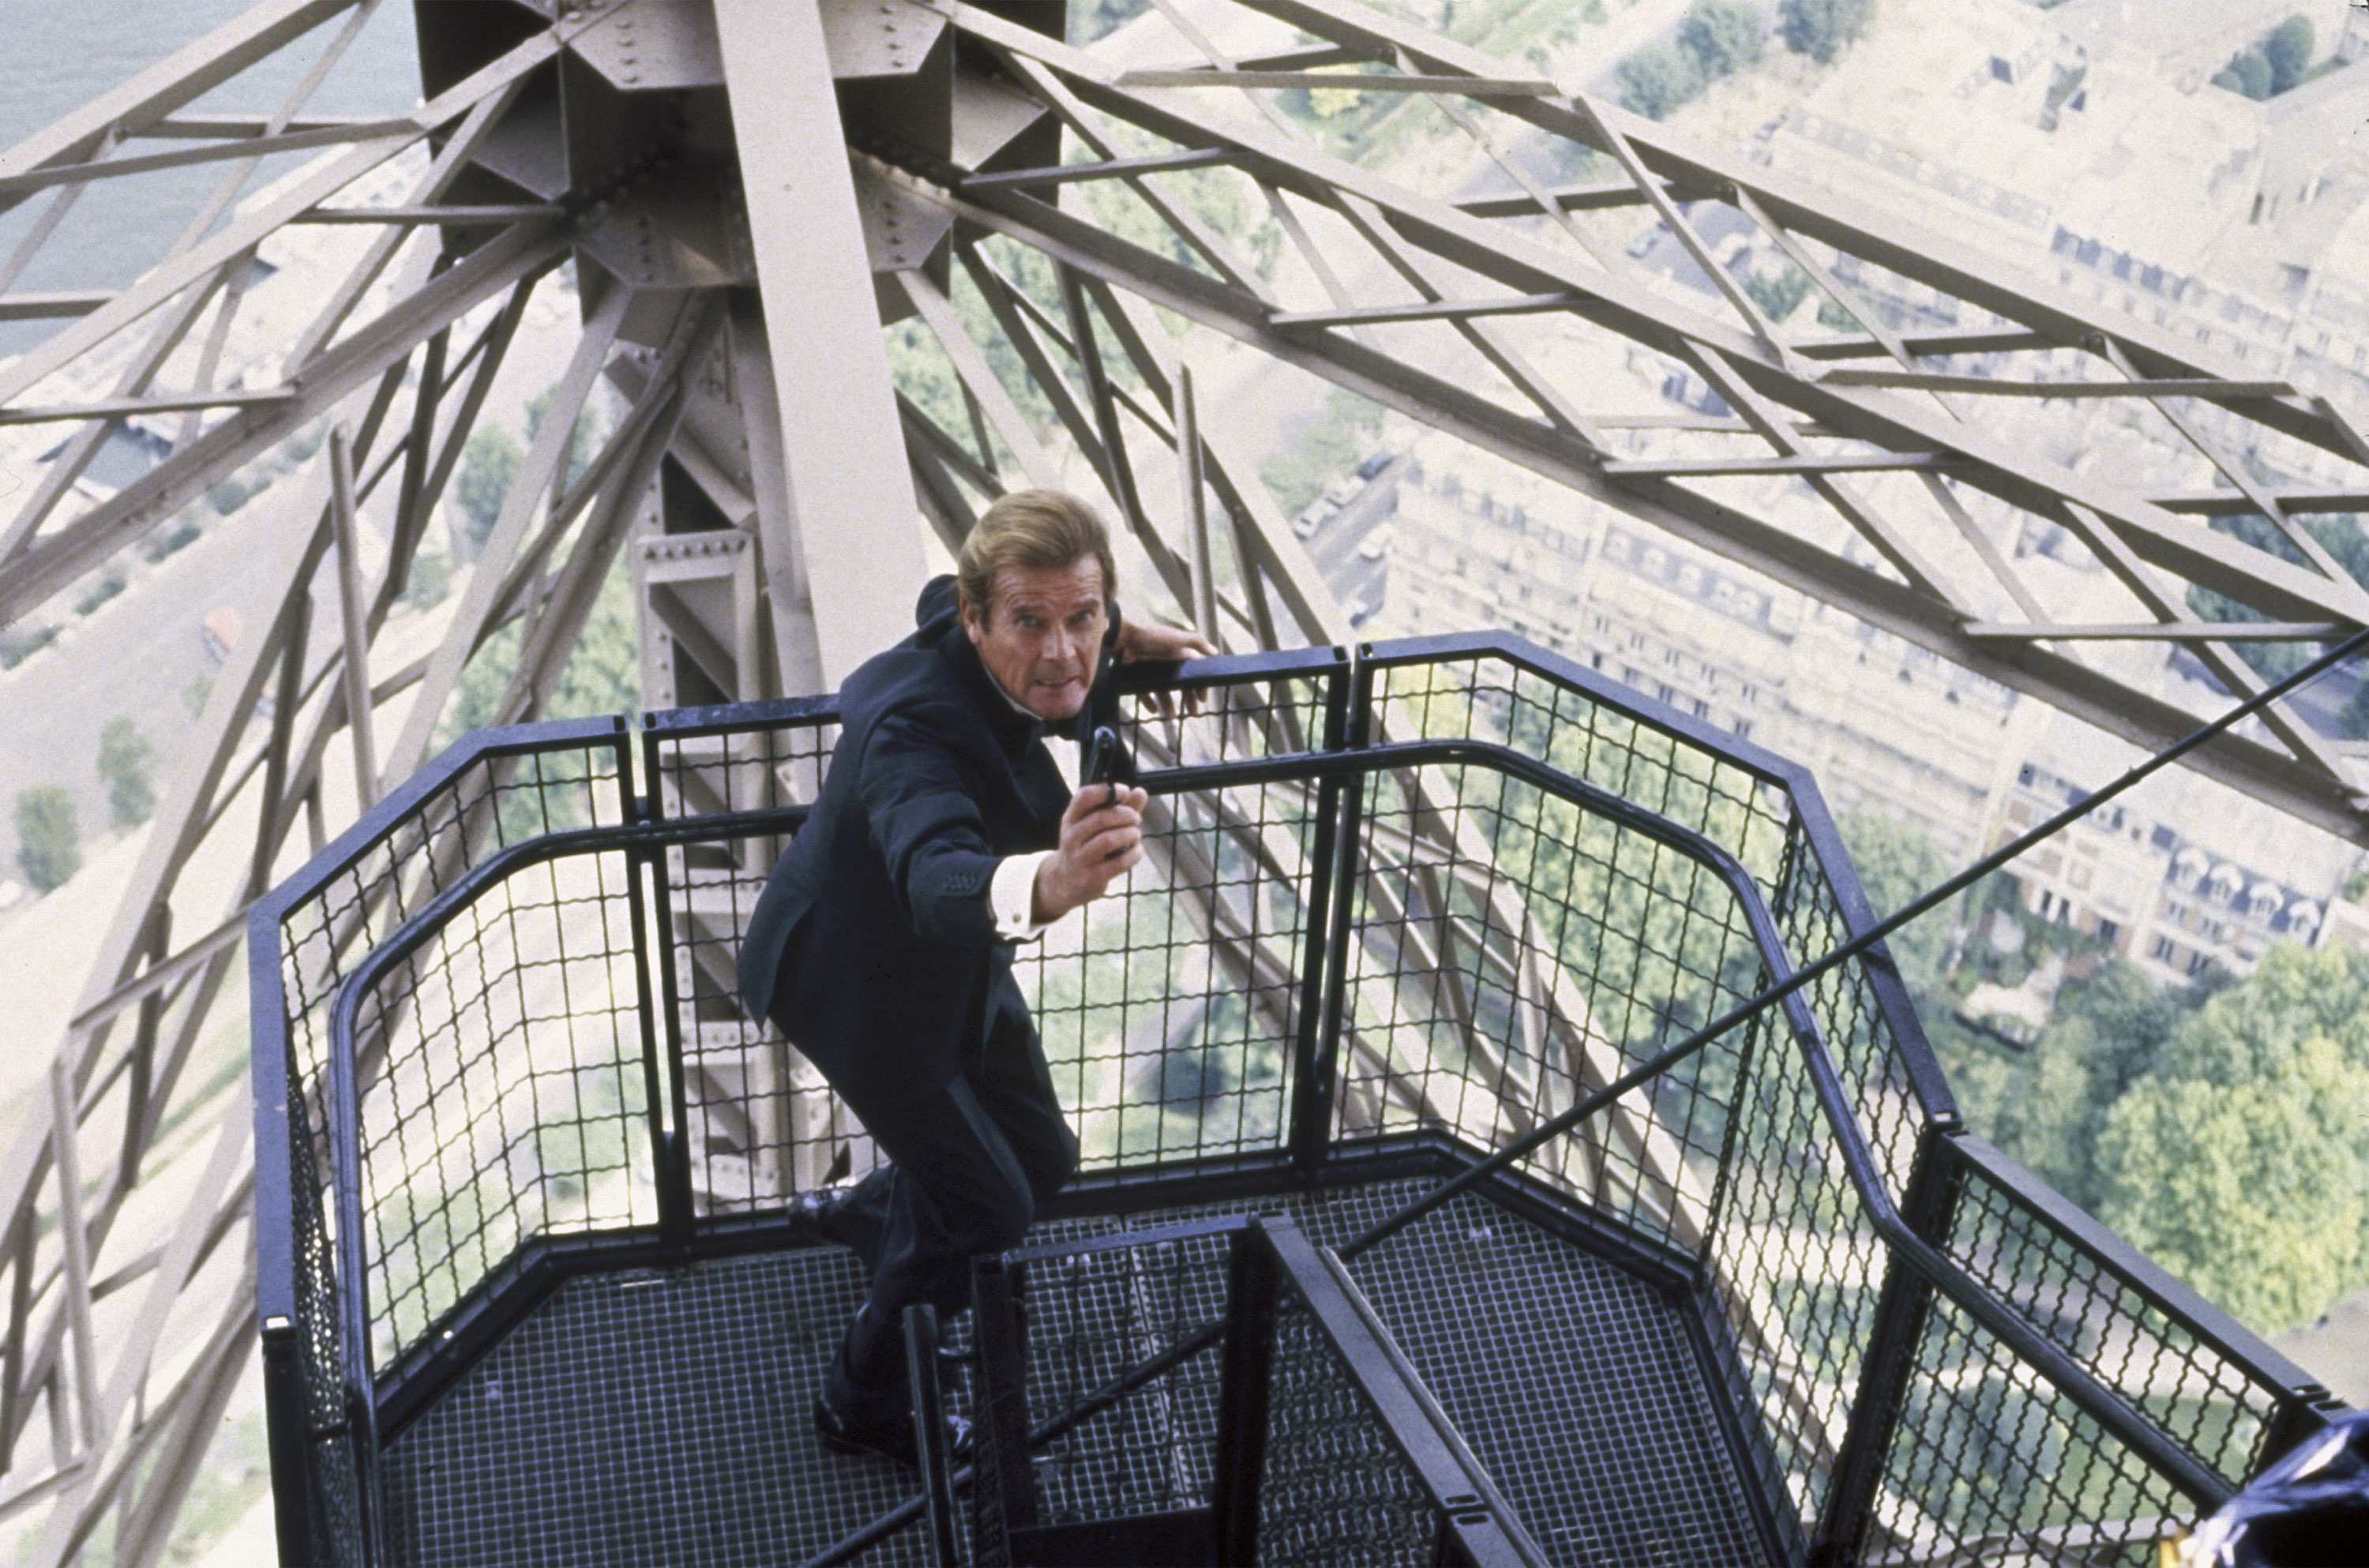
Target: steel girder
x=1899 y=461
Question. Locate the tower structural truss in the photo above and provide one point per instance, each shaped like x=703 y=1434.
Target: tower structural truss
x=759 y=204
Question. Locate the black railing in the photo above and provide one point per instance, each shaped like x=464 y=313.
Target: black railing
x=1427 y=900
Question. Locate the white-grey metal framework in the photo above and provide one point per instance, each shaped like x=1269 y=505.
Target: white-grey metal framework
x=750 y=192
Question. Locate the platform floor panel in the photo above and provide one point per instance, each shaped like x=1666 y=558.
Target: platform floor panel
x=654 y=1416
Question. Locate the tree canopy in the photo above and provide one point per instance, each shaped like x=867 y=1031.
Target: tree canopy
x=1823 y=29
x=49 y=841
x=1657 y=79
x=125 y=761
x=1724 y=36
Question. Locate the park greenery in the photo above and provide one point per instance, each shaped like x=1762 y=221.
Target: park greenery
x=1823 y=29
x=1715 y=38
x=2217 y=1128
x=48 y=840
x=127 y=763
x=2280 y=59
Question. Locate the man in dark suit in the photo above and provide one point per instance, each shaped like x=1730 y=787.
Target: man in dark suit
x=882 y=945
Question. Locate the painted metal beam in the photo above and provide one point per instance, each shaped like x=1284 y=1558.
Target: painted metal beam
x=857 y=527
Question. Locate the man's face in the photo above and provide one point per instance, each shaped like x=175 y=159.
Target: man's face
x=1043 y=635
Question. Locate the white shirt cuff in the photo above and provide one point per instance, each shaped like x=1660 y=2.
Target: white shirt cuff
x=1011 y=896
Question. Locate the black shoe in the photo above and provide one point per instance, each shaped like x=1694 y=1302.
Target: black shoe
x=881 y=1433
x=828 y=1215
x=852 y=1217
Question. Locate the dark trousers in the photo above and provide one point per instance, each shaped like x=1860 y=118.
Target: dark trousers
x=970 y=1159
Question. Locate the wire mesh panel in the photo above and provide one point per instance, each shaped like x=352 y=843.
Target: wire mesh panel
x=1482 y=689
x=1509 y=950
x=503 y=1090
x=1093 y=1315
x=1453 y=896
x=495 y=790
x=1989 y=1463
x=1168 y=1012
x=1984 y=1451
x=759 y=1123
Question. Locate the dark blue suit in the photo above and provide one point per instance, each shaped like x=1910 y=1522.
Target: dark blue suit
x=874 y=949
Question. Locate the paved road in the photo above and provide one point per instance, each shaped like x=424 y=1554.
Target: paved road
x=132 y=658
x=1354 y=579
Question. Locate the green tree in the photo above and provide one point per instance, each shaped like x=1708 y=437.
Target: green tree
x=1822 y=28
x=125 y=759
x=1657 y=79
x=1897 y=865
x=490 y=464
x=1778 y=292
x=2239 y=1161
x=603 y=674
x=1724 y=36
x=2287 y=50
x=2048 y=1106
x=2248 y=1191
x=2126 y=1018
x=49 y=841
x=2246 y=72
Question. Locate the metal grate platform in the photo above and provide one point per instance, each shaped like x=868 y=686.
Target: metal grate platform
x=675 y=1406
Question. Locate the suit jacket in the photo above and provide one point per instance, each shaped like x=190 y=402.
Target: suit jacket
x=873 y=943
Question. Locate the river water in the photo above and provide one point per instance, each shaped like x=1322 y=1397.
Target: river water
x=63 y=53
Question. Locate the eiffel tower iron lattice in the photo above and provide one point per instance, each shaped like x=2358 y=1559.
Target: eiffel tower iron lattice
x=848 y=270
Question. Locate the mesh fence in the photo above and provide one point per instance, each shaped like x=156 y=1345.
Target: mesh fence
x=496 y=792
x=1984 y=1451
x=1514 y=928
x=1335 y=1491
x=1167 y=1013
x=1090 y=1317
x=759 y=1123
x=505 y=1089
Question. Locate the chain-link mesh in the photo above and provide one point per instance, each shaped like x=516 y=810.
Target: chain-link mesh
x=1334 y=1490
x=1984 y=1451
x=1989 y=1463
x=331 y=1484
x=1090 y=1317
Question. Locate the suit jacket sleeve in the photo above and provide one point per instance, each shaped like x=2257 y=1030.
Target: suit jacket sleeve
x=925 y=824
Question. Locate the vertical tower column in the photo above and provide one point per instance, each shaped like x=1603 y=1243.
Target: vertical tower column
x=837 y=526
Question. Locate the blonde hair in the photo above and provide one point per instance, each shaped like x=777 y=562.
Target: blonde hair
x=1031 y=529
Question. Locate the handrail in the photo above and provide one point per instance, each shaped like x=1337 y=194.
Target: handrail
x=2060 y=1369
x=345 y=1128
x=1360 y=759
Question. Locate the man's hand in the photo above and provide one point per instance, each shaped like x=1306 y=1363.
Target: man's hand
x=1102 y=838
x=1149 y=642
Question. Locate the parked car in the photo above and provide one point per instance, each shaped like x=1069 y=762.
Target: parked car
x=1377 y=544
x=1341 y=490
x=1374 y=463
